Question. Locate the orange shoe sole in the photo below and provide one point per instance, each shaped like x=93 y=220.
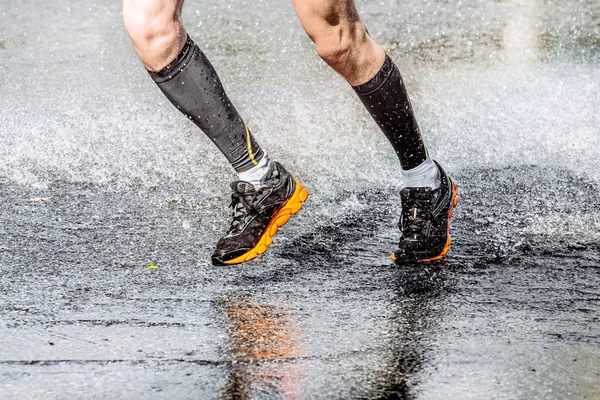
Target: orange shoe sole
x=448 y=239
x=281 y=217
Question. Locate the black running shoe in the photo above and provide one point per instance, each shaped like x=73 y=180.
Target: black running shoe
x=258 y=214
x=425 y=221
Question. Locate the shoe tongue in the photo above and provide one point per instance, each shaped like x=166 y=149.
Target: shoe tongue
x=242 y=187
x=272 y=176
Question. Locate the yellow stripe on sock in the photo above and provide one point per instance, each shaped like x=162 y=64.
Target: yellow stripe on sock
x=249 y=144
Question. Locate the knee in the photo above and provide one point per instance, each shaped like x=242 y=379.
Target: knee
x=149 y=24
x=336 y=44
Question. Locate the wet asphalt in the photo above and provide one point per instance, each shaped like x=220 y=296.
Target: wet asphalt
x=110 y=205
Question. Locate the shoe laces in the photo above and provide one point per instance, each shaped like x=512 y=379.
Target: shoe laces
x=242 y=199
x=241 y=206
x=415 y=215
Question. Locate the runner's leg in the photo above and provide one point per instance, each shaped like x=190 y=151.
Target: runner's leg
x=189 y=81
x=429 y=195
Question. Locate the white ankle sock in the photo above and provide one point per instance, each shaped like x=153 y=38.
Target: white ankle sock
x=255 y=174
x=426 y=174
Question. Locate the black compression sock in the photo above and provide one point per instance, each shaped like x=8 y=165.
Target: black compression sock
x=191 y=83
x=387 y=101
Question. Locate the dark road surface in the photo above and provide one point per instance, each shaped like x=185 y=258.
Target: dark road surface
x=110 y=205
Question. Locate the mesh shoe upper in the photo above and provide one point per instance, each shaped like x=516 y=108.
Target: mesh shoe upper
x=252 y=211
x=424 y=222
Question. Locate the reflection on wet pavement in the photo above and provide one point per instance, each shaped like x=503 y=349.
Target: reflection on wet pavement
x=264 y=344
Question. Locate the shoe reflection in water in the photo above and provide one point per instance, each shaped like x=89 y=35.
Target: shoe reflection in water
x=264 y=347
